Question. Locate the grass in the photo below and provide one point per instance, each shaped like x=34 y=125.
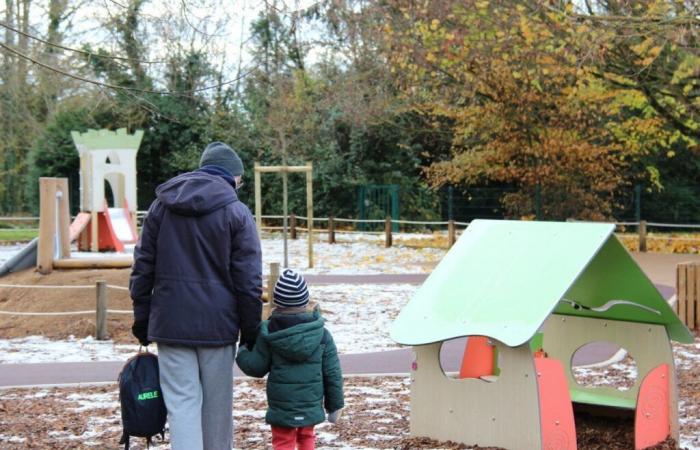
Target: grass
x=17 y=234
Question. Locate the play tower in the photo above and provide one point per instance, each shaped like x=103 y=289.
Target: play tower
x=108 y=158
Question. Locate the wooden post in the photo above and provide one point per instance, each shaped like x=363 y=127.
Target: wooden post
x=284 y=219
x=101 y=319
x=63 y=216
x=642 y=235
x=681 y=299
x=258 y=198
x=688 y=294
x=308 y=169
x=451 y=233
x=692 y=295
x=94 y=243
x=271 y=281
x=47 y=225
x=695 y=321
x=310 y=211
x=387 y=232
x=293 y=226
x=331 y=230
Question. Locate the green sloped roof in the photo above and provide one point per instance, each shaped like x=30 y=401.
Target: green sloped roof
x=503 y=278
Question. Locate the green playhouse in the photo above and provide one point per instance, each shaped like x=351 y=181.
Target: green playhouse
x=539 y=291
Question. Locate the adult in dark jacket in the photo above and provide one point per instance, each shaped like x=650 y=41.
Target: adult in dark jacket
x=304 y=370
x=195 y=285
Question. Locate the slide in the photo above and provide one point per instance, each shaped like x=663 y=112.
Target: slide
x=26 y=258
x=122 y=225
x=115 y=228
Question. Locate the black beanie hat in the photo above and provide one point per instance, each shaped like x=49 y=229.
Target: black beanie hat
x=221 y=155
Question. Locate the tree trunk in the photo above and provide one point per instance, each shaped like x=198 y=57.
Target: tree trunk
x=48 y=81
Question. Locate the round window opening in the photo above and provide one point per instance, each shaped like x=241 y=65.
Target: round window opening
x=604 y=364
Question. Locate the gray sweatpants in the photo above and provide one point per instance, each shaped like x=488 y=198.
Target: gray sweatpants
x=197 y=385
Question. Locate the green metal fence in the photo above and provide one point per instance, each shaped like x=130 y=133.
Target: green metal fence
x=377 y=201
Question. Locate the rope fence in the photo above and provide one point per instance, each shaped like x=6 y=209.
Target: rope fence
x=391 y=227
x=63 y=313
x=46 y=286
x=100 y=310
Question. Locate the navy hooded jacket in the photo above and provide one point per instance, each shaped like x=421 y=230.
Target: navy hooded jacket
x=197 y=275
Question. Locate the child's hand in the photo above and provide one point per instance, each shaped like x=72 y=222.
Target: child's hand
x=334 y=416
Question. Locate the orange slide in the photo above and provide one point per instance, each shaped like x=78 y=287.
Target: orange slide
x=114 y=229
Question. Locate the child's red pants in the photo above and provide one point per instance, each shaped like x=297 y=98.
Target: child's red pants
x=284 y=438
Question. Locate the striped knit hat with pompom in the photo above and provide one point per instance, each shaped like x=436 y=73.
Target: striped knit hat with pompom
x=290 y=290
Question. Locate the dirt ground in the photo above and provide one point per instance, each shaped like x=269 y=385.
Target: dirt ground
x=88 y=417
x=60 y=300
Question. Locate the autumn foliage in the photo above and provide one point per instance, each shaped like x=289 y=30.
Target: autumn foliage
x=524 y=86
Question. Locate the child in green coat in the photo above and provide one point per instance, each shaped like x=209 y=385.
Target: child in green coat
x=304 y=370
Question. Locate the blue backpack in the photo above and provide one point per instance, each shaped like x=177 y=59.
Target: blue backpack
x=143 y=409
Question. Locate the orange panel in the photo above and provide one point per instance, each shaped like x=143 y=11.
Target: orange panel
x=556 y=410
x=652 y=423
x=478 y=358
x=106 y=238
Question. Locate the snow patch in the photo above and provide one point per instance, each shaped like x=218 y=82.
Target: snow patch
x=38 y=349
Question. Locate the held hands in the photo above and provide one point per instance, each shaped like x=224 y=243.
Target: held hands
x=334 y=416
x=248 y=339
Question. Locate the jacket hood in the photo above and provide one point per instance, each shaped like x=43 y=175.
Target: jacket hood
x=299 y=342
x=195 y=193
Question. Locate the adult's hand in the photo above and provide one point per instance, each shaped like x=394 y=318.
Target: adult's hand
x=248 y=339
x=140 y=331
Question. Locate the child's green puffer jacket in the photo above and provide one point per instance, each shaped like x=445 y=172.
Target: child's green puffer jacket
x=304 y=371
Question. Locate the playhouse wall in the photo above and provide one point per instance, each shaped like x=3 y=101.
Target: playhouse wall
x=503 y=413
x=648 y=344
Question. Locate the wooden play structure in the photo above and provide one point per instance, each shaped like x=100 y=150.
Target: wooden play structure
x=285 y=170
x=107 y=158
x=57 y=232
x=529 y=295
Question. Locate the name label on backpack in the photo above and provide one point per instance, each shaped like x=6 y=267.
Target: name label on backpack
x=148 y=395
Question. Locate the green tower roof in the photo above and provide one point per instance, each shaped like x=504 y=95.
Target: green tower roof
x=107 y=139
x=502 y=279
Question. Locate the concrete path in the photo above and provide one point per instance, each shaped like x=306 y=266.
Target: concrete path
x=661 y=267
x=386 y=362
x=397 y=278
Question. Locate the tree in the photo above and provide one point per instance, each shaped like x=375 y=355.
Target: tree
x=650 y=46
x=525 y=113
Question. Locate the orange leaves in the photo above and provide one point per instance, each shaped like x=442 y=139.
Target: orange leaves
x=525 y=107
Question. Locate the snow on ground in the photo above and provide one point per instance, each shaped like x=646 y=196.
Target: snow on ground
x=353 y=254
x=620 y=374
x=38 y=349
x=357 y=315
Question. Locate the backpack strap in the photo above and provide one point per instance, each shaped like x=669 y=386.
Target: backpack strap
x=124 y=440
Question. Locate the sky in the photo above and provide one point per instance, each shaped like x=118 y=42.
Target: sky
x=221 y=28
